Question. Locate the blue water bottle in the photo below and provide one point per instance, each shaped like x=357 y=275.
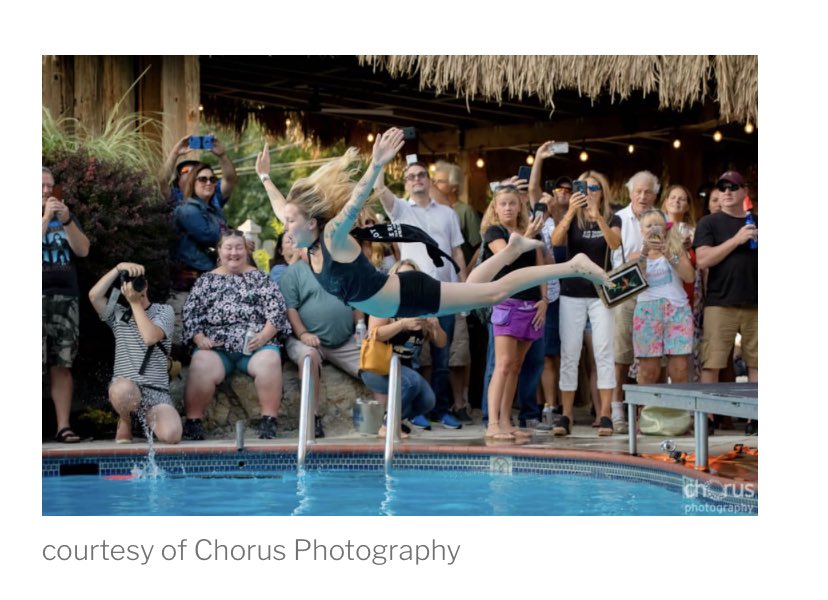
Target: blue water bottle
x=752 y=244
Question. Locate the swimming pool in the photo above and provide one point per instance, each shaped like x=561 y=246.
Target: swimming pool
x=354 y=483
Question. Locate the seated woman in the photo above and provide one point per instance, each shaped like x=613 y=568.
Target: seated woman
x=224 y=305
x=406 y=336
x=320 y=211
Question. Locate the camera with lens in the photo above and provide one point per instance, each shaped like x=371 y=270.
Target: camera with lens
x=139 y=282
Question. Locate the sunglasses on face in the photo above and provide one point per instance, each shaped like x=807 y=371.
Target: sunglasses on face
x=563 y=190
x=415 y=176
x=724 y=186
x=204 y=179
x=593 y=188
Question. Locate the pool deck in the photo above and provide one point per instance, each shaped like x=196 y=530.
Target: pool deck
x=582 y=443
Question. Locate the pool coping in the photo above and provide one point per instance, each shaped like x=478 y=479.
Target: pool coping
x=619 y=458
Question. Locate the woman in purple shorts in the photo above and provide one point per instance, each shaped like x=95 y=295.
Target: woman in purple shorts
x=517 y=321
x=663 y=319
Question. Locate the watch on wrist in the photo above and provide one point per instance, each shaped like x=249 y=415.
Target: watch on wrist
x=264 y=177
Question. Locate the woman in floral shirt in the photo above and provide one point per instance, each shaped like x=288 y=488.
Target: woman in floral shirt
x=223 y=306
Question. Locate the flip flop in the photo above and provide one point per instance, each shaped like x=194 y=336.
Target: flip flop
x=67 y=436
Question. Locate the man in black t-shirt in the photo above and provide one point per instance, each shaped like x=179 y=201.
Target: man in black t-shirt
x=726 y=245
x=63 y=241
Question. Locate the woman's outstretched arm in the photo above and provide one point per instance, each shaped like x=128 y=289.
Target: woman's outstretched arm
x=385 y=148
x=277 y=200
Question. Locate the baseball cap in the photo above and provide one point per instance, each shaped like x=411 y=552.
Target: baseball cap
x=563 y=179
x=732 y=177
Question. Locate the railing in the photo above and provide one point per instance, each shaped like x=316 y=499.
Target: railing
x=392 y=421
x=306 y=428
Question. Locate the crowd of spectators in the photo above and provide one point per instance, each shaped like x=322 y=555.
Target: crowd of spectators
x=230 y=316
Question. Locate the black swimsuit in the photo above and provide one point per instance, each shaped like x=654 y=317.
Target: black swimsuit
x=359 y=280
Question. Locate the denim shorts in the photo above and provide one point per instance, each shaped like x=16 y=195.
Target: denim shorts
x=236 y=361
x=514 y=318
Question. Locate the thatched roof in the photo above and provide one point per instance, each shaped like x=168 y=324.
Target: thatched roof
x=679 y=81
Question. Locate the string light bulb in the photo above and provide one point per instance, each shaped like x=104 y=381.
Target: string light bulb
x=287 y=122
x=370 y=137
x=676 y=143
x=717 y=136
x=749 y=127
x=200 y=108
x=480 y=163
x=631 y=149
x=583 y=156
x=530 y=160
x=432 y=168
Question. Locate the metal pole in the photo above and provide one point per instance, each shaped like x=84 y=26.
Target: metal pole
x=701 y=441
x=392 y=421
x=306 y=432
x=633 y=435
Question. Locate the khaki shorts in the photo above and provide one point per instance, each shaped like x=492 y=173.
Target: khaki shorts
x=459 y=353
x=721 y=324
x=622 y=341
x=344 y=357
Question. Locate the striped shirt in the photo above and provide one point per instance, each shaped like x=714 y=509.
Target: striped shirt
x=130 y=348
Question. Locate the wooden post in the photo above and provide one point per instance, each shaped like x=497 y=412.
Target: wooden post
x=57 y=85
x=179 y=98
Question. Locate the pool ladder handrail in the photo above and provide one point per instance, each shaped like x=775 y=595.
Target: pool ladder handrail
x=307 y=433
x=392 y=421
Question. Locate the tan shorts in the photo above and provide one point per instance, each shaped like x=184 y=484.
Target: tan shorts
x=622 y=342
x=345 y=357
x=459 y=353
x=721 y=324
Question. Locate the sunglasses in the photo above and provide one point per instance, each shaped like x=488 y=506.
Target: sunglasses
x=593 y=188
x=724 y=186
x=415 y=176
x=204 y=179
x=506 y=187
x=562 y=190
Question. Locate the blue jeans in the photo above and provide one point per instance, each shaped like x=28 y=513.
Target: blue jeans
x=528 y=380
x=440 y=382
x=417 y=396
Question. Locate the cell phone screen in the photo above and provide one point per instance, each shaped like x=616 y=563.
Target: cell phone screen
x=524 y=173
x=579 y=185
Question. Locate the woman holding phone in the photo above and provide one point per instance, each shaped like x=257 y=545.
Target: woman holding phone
x=588 y=227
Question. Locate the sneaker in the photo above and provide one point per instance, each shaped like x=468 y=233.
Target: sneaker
x=449 y=422
x=462 y=415
x=267 y=428
x=421 y=422
x=318 y=431
x=620 y=426
x=193 y=430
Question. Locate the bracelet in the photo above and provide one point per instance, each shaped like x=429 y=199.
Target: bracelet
x=264 y=177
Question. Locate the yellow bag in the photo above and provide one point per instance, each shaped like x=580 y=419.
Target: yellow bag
x=375 y=356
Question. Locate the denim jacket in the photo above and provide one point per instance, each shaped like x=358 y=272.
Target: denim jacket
x=198 y=227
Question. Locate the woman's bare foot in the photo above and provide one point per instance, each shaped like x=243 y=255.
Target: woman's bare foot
x=582 y=266
x=520 y=244
x=492 y=430
x=123 y=434
x=382 y=432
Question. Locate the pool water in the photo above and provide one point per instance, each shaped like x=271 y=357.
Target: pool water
x=405 y=493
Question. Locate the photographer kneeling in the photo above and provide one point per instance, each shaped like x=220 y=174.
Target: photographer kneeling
x=140 y=381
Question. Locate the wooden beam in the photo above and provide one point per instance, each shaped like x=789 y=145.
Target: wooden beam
x=179 y=98
x=89 y=93
x=57 y=85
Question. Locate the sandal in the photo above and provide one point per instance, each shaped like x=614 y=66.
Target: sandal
x=561 y=427
x=67 y=436
x=605 y=426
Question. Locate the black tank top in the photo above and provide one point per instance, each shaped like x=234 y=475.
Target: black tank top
x=350 y=282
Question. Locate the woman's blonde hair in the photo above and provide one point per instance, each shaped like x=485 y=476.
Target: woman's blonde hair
x=323 y=193
x=402 y=263
x=675 y=246
x=690 y=213
x=490 y=218
x=606 y=198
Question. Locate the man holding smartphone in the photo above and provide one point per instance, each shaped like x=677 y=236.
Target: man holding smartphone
x=63 y=241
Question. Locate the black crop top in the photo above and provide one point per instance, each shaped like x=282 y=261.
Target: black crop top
x=350 y=282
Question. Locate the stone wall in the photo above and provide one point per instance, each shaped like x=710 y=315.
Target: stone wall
x=236 y=399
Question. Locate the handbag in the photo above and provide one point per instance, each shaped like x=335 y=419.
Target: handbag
x=374 y=355
x=628 y=280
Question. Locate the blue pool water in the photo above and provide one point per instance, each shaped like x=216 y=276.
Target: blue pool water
x=413 y=493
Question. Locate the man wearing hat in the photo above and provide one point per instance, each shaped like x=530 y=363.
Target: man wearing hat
x=171 y=187
x=726 y=244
